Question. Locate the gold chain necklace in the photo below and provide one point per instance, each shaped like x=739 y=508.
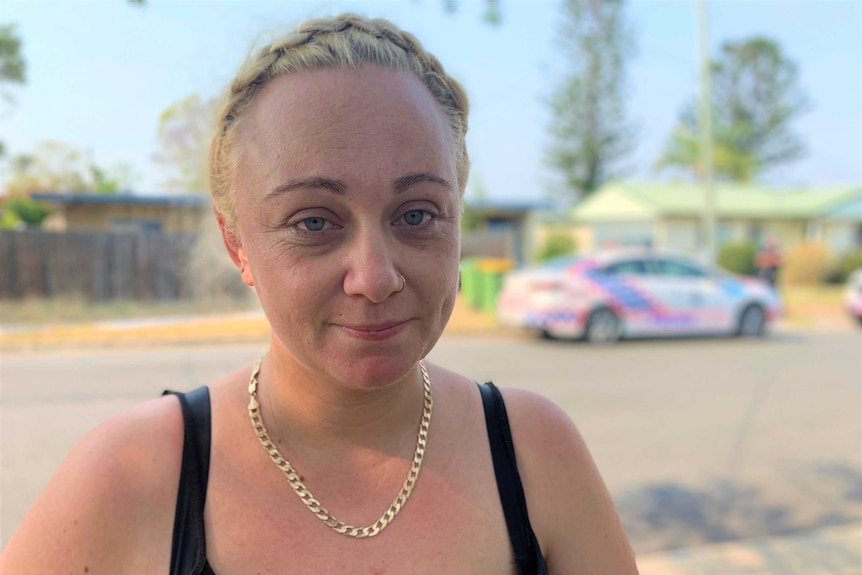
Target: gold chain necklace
x=305 y=495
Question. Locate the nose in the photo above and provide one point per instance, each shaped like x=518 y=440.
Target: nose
x=371 y=270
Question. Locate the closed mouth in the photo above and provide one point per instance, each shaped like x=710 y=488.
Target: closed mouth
x=375 y=331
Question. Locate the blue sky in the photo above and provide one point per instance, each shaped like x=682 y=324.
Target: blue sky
x=100 y=73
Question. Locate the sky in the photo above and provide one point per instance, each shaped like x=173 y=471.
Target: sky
x=101 y=71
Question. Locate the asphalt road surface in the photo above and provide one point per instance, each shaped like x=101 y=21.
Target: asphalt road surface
x=699 y=440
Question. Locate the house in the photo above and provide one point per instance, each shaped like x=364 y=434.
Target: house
x=670 y=216
x=499 y=227
x=124 y=212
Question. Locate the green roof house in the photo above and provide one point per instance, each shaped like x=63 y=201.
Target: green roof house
x=669 y=215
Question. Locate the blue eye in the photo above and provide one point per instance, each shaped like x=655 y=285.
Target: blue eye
x=414 y=217
x=314 y=224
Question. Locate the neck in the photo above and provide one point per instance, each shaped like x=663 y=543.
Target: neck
x=314 y=416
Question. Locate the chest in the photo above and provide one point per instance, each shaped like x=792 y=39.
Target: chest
x=452 y=523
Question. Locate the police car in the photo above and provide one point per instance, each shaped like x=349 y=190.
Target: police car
x=605 y=296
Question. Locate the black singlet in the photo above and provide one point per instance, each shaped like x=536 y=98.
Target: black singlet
x=188 y=551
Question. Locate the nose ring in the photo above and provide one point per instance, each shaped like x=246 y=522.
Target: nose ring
x=403 y=284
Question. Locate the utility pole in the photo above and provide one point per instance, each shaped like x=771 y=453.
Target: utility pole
x=705 y=132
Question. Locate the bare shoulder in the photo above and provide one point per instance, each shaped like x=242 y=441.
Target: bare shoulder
x=570 y=508
x=112 y=493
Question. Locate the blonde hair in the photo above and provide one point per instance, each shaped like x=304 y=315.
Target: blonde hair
x=345 y=41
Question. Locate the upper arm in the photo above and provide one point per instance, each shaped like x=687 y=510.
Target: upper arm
x=570 y=508
x=114 y=490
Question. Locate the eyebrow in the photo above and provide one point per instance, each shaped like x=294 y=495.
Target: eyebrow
x=405 y=182
x=336 y=187
x=333 y=186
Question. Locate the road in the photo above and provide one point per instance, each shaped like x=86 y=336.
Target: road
x=699 y=440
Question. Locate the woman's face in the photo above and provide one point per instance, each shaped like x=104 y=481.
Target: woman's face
x=347 y=179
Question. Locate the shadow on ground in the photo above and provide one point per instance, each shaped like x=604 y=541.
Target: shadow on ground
x=670 y=515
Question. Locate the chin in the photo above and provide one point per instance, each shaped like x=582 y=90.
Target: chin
x=378 y=366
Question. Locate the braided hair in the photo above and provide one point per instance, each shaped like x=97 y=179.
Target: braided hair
x=345 y=41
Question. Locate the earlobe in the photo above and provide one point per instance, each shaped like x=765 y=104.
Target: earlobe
x=235 y=250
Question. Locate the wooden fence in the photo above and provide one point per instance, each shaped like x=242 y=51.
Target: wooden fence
x=96 y=266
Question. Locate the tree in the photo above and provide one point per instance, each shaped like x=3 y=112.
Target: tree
x=12 y=66
x=589 y=129
x=58 y=167
x=23 y=211
x=185 y=129
x=13 y=69
x=755 y=99
x=114 y=180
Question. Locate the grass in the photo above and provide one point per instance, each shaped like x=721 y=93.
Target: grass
x=816 y=295
x=75 y=310
x=814 y=306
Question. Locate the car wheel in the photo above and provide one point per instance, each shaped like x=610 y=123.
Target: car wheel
x=859 y=319
x=603 y=327
x=752 y=322
x=548 y=335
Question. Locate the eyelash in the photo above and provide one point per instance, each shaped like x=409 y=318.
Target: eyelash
x=306 y=220
x=302 y=225
x=413 y=211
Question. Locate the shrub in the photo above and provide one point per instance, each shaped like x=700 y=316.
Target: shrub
x=849 y=262
x=556 y=244
x=738 y=257
x=28 y=210
x=806 y=263
x=9 y=220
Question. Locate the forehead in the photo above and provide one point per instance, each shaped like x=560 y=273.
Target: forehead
x=342 y=119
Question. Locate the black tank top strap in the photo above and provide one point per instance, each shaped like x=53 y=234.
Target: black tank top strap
x=188 y=551
x=528 y=554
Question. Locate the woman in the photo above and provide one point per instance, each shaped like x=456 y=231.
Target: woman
x=337 y=170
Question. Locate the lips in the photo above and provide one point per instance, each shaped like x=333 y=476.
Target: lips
x=375 y=332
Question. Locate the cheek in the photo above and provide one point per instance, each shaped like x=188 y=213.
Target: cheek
x=438 y=267
x=288 y=286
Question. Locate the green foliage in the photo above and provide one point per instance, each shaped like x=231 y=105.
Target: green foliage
x=738 y=257
x=27 y=210
x=492 y=14
x=469 y=222
x=51 y=166
x=59 y=167
x=755 y=99
x=589 y=130
x=556 y=244
x=13 y=69
x=9 y=220
x=848 y=263
x=113 y=180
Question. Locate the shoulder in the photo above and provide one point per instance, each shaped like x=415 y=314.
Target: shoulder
x=113 y=491
x=570 y=508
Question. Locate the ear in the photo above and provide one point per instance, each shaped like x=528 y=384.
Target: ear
x=234 y=249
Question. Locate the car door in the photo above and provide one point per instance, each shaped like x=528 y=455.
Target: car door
x=699 y=298
x=624 y=284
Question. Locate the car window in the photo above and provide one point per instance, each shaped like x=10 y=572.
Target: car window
x=678 y=269
x=561 y=262
x=628 y=267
